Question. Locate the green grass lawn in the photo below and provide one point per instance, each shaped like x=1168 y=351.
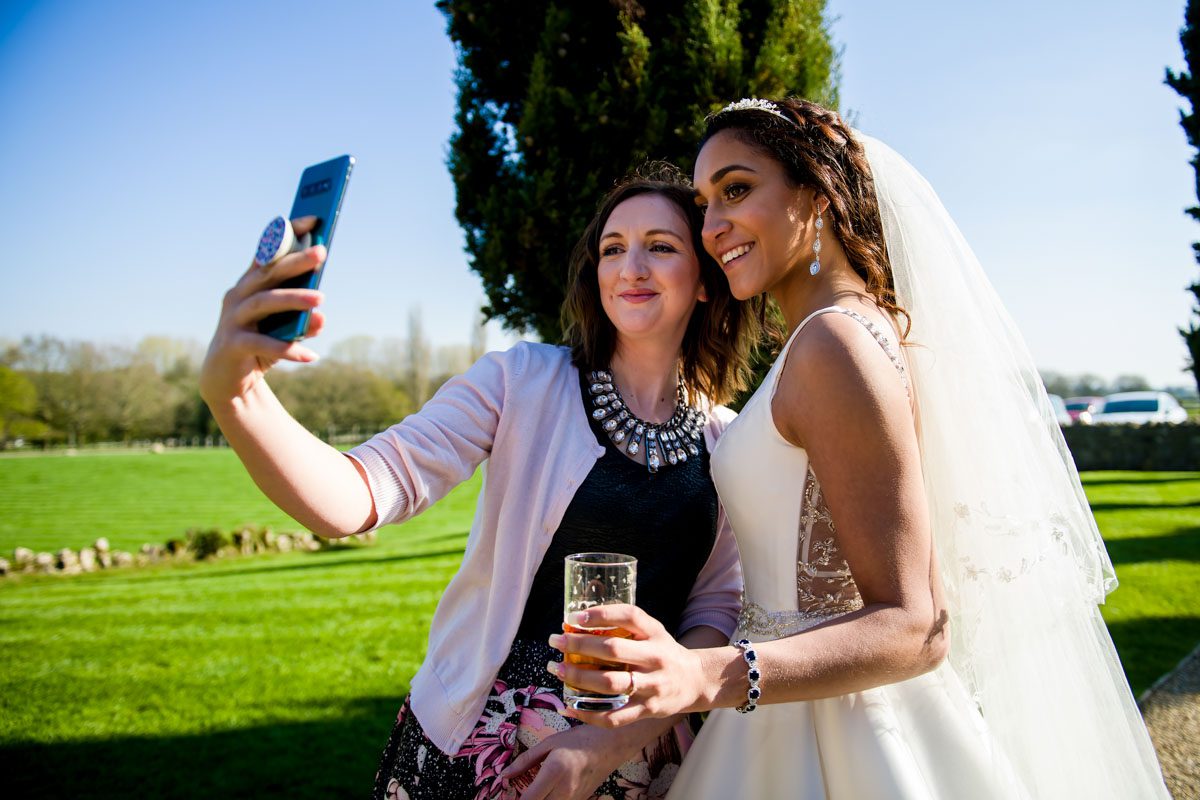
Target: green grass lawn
x=132 y=497
x=267 y=676
x=1151 y=525
x=281 y=675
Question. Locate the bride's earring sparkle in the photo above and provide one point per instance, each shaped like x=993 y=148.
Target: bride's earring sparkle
x=815 y=266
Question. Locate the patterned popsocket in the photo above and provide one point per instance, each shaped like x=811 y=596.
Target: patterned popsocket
x=278 y=240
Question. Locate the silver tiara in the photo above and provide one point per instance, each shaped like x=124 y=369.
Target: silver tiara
x=755 y=104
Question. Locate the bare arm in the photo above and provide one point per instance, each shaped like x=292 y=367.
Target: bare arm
x=314 y=483
x=841 y=398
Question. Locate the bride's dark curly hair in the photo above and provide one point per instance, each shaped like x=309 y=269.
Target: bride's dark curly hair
x=816 y=149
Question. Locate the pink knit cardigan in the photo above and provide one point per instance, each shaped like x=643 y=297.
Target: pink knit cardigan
x=519 y=413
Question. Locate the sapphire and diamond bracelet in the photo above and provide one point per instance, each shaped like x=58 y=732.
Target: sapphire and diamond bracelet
x=752 y=674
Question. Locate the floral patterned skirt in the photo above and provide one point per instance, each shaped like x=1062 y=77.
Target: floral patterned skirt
x=524 y=707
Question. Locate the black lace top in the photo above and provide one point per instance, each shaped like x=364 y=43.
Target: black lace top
x=667 y=520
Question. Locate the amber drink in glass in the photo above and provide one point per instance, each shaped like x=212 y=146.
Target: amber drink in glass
x=595 y=579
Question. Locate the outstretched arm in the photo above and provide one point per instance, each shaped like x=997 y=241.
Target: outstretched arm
x=314 y=483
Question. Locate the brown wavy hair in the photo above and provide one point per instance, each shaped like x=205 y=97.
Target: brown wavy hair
x=715 y=357
x=816 y=149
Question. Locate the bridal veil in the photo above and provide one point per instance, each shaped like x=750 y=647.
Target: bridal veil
x=1023 y=562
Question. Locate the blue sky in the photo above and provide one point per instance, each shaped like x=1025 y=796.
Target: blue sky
x=143 y=146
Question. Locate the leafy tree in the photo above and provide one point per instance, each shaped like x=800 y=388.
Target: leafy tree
x=18 y=400
x=1188 y=87
x=1130 y=383
x=419 y=358
x=138 y=403
x=356 y=351
x=478 y=339
x=70 y=384
x=331 y=398
x=1056 y=383
x=169 y=356
x=557 y=100
x=10 y=352
x=90 y=392
x=1088 y=384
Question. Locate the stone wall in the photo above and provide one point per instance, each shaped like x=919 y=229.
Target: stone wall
x=197 y=544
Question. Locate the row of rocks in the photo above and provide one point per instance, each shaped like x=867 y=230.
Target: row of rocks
x=199 y=544
x=67 y=561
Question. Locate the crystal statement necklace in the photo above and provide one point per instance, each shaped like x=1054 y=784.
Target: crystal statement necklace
x=671 y=441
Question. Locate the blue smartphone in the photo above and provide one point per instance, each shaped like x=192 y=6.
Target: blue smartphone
x=322 y=188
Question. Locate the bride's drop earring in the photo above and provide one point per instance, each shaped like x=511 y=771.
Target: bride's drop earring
x=815 y=266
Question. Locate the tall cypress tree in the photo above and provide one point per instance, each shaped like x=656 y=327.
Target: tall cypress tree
x=1188 y=87
x=557 y=100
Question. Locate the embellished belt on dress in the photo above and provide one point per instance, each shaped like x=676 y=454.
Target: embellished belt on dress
x=759 y=624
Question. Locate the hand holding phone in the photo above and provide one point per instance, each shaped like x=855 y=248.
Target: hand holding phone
x=279 y=299
x=320 y=194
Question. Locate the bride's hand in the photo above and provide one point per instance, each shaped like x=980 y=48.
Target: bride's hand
x=667 y=677
x=239 y=355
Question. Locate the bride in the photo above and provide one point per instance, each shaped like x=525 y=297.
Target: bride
x=922 y=571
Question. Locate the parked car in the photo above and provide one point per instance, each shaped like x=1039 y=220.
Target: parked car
x=1082 y=409
x=1138 y=408
x=1060 y=410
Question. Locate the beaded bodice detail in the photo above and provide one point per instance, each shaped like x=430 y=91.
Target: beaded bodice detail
x=756 y=471
x=824 y=583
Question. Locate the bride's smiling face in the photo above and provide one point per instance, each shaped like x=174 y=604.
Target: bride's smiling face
x=757 y=225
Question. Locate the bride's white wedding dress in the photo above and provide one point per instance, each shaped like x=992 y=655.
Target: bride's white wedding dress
x=922 y=738
x=1032 y=701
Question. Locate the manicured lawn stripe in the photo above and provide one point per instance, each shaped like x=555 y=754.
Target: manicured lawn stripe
x=1151 y=525
x=281 y=674
x=56 y=501
x=278 y=674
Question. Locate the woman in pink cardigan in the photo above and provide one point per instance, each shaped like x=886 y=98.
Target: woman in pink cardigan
x=599 y=445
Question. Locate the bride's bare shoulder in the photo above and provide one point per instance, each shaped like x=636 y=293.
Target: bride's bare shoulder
x=836 y=377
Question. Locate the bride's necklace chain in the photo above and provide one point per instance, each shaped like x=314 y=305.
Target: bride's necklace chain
x=669 y=442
